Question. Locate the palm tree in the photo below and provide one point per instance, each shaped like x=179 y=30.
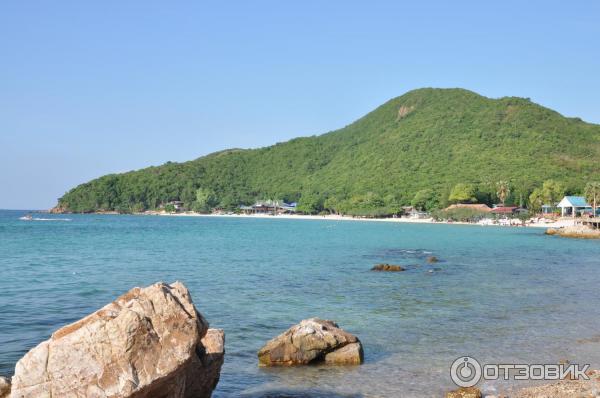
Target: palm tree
x=592 y=194
x=503 y=190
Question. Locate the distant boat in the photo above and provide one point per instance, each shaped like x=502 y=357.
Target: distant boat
x=26 y=217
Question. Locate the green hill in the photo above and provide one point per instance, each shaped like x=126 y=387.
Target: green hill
x=423 y=142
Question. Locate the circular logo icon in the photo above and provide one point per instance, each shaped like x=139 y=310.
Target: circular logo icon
x=465 y=371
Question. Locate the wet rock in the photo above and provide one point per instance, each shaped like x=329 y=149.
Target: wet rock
x=4 y=387
x=432 y=259
x=464 y=392
x=388 y=267
x=311 y=341
x=150 y=342
x=351 y=354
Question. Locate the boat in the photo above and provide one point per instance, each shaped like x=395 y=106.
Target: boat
x=26 y=217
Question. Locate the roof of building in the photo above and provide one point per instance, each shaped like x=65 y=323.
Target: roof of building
x=504 y=209
x=573 y=201
x=475 y=206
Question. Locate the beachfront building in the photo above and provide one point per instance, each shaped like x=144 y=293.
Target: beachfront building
x=269 y=207
x=177 y=205
x=573 y=206
x=548 y=209
x=505 y=210
x=415 y=214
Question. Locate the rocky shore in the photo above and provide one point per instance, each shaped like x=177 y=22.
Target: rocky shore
x=577 y=231
x=563 y=389
x=560 y=389
x=153 y=342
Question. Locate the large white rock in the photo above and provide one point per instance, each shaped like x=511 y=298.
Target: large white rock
x=150 y=342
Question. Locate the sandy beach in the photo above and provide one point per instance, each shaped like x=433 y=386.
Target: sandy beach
x=536 y=223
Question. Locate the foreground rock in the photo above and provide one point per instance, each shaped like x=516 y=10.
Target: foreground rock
x=150 y=342
x=4 y=387
x=577 y=231
x=387 y=267
x=465 y=392
x=312 y=341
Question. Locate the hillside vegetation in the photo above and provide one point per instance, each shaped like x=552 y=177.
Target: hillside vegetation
x=413 y=149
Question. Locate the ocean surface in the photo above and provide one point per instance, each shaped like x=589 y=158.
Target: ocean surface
x=501 y=295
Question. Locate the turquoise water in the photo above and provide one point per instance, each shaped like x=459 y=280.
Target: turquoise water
x=499 y=294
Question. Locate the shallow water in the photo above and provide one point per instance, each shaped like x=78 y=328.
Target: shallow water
x=499 y=294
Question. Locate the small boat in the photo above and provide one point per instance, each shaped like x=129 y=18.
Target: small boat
x=26 y=217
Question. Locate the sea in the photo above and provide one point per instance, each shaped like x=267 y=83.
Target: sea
x=498 y=294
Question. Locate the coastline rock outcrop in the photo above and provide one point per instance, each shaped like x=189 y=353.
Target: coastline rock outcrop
x=312 y=341
x=58 y=209
x=577 y=231
x=388 y=267
x=150 y=342
x=4 y=387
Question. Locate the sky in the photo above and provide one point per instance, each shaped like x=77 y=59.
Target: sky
x=90 y=88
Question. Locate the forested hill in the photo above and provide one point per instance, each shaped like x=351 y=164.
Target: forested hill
x=419 y=144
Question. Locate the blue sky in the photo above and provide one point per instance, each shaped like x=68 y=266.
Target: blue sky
x=89 y=88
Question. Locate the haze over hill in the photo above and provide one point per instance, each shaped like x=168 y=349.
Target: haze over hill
x=424 y=141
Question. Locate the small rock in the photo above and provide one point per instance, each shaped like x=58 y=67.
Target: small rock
x=432 y=259
x=465 y=392
x=311 y=341
x=4 y=387
x=387 y=267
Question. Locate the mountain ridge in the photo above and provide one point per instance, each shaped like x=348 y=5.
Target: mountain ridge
x=425 y=139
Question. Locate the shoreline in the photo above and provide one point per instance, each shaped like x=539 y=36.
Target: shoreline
x=337 y=217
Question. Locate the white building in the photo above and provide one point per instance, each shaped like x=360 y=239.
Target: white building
x=573 y=206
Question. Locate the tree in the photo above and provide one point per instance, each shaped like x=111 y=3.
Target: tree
x=552 y=192
x=425 y=199
x=503 y=190
x=592 y=194
x=536 y=200
x=205 y=200
x=331 y=204
x=310 y=203
x=463 y=193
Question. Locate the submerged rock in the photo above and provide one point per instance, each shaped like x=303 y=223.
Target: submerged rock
x=465 y=392
x=312 y=341
x=150 y=342
x=4 y=387
x=388 y=267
